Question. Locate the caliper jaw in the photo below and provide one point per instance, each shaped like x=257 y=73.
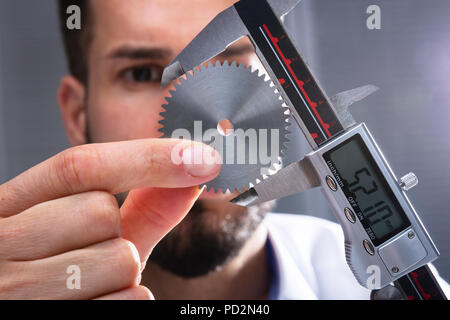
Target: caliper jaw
x=225 y=29
x=343 y=100
x=294 y=178
x=282 y=7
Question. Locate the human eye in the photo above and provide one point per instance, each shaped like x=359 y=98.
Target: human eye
x=142 y=74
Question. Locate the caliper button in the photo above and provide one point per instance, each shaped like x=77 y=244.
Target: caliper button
x=369 y=248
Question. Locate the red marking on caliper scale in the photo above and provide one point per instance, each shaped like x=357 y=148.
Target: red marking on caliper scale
x=415 y=277
x=300 y=83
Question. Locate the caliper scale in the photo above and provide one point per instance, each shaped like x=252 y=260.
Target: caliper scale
x=381 y=227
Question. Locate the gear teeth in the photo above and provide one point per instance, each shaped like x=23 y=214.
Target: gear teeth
x=161 y=130
x=208 y=187
x=176 y=84
x=254 y=177
x=172 y=92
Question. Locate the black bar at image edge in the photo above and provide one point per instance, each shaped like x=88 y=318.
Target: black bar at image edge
x=174 y=310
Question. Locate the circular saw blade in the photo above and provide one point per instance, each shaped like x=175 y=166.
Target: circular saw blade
x=252 y=105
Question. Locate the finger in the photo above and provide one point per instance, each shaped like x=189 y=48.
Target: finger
x=111 y=167
x=134 y=293
x=149 y=214
x=60 y=225
x=87 y=273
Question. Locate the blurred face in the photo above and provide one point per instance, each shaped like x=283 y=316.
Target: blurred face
x=132 y=43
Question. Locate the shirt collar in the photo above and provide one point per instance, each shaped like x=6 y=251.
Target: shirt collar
x=288 y=283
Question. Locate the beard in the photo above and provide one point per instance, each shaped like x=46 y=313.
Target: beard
x=212 y=233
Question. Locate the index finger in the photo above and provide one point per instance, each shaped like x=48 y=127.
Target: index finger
x=112 y=167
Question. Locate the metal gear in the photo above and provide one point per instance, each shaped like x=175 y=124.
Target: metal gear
x=232 y=93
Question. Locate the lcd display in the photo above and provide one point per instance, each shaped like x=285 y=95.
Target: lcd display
x=366 y=189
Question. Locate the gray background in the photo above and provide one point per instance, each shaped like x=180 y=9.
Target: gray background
x=409 y=59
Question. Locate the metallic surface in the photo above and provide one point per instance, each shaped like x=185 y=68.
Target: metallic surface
x=283 y=7
x=233 y=93
x=294 y=178
x=343 y=100
x=226 y=28
x=387 y=293
x=408 y=181
x=396 y=258
x=411 y=257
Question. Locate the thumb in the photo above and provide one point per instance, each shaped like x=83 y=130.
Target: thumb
x=149 y=214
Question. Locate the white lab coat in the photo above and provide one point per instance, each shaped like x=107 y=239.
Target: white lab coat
x=308 y=260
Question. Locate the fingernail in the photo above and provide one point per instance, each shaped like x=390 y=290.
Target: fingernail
x=200 y=160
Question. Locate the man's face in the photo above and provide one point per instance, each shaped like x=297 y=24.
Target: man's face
x=132 y=43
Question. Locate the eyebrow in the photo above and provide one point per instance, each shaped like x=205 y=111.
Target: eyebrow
x=129 y=52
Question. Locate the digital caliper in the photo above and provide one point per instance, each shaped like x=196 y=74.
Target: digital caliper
x=381 y=227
